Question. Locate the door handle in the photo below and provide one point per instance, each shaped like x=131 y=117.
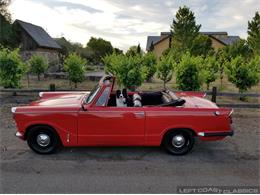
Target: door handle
x=140 y=114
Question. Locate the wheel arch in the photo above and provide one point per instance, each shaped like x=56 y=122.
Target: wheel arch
x=44 y=125
x=177 y=129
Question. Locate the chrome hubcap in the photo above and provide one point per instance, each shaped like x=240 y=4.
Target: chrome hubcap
x=43 y=140
x=178 y=141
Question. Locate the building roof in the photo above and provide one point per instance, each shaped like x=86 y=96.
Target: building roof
x=214 y=33
x=39 y=35
x=228 y=40
x=150 y=40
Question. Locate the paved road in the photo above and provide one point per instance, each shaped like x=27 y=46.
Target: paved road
x=232 y=162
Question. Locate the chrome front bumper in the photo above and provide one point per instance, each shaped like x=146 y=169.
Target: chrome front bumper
x=19 y=135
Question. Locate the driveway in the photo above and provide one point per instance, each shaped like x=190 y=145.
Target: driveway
x=231 y=162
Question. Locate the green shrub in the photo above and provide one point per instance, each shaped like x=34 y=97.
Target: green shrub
x=39 y=65
x=128 y=69
x=149 y=62
x=242 y=74
x=209 y=70
x=76 y=68
x=12 y=68
x=188 y=75
x=165 y=69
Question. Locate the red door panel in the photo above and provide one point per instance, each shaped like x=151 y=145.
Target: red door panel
x=111 y=126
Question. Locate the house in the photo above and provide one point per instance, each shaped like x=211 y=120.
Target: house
x=158 y=44
x=35 y=40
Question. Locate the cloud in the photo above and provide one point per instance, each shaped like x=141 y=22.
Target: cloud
x=129 y=22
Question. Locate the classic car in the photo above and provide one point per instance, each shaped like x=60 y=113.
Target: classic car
x=97 y=118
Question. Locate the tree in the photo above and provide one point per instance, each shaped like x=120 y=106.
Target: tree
x=8 y=34
x=184 y=29
x=188 y=75
x=255 y=65
x=134 y=50
x=209 y=70
x=254 y=34
x=221 y=57
x=165 y=69
x=239 y=48
x=76 y=67
x=128 y=69
x=12 y=68
x=3 y=9
x=242 y=74
x=100 y=48
x=38 y=65
x=118 y=51
x=201 y=46
x=149 y=62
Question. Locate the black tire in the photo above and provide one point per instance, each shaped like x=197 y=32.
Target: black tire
x=178 y=142
x=50 y=142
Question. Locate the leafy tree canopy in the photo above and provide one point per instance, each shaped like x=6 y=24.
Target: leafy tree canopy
x=134 y=50
x=39 y=65
x=128 y=69
x=209 y=70
x=12 y=68
x=254 y=34
x=3 y=9
x=242 y=74
x=165 y=69
x=188 y=74
x=76 y=68
x=201 y=45
x=100 y=48
x=184 y=29
x=149 y=62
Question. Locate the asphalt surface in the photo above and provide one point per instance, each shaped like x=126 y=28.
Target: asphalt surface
x=231 y=162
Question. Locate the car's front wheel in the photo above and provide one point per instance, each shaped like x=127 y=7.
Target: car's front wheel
x=178 y=142
x=43 y=140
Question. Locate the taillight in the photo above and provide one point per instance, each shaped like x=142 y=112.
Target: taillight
x=230 y=116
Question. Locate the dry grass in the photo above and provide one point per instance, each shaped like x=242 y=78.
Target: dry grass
x=156 y=84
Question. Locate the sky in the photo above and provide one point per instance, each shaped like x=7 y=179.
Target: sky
x=129 y=22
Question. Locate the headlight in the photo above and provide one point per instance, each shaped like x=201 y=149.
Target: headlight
x=13 y=109
x=40 y=94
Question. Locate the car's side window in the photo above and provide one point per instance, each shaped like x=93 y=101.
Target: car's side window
x=102 y=100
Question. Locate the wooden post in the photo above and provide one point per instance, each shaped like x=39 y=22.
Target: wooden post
x=214 y=94
x=52 y=87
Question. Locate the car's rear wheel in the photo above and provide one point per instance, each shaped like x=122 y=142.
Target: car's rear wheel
x=178 y=142
x=43 y=140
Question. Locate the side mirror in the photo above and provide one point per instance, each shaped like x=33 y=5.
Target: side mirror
x=84 y=107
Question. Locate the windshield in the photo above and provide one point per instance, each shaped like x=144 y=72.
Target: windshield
x=92 y=94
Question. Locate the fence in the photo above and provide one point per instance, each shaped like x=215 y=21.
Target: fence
x=213 y=93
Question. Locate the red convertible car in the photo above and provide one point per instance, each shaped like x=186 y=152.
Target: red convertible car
x=104 y=117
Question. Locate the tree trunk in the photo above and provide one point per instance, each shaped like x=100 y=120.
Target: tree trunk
x=38 y=77
x=76 y=85
x=207 y=86
x=164 y=84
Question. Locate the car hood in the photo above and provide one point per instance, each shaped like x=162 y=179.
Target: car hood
x=197 y=102
x=60 y=100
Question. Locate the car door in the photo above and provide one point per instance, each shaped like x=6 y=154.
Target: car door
x=111 y=126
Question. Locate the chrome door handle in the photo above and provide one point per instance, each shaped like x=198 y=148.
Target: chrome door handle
x=139 y=113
